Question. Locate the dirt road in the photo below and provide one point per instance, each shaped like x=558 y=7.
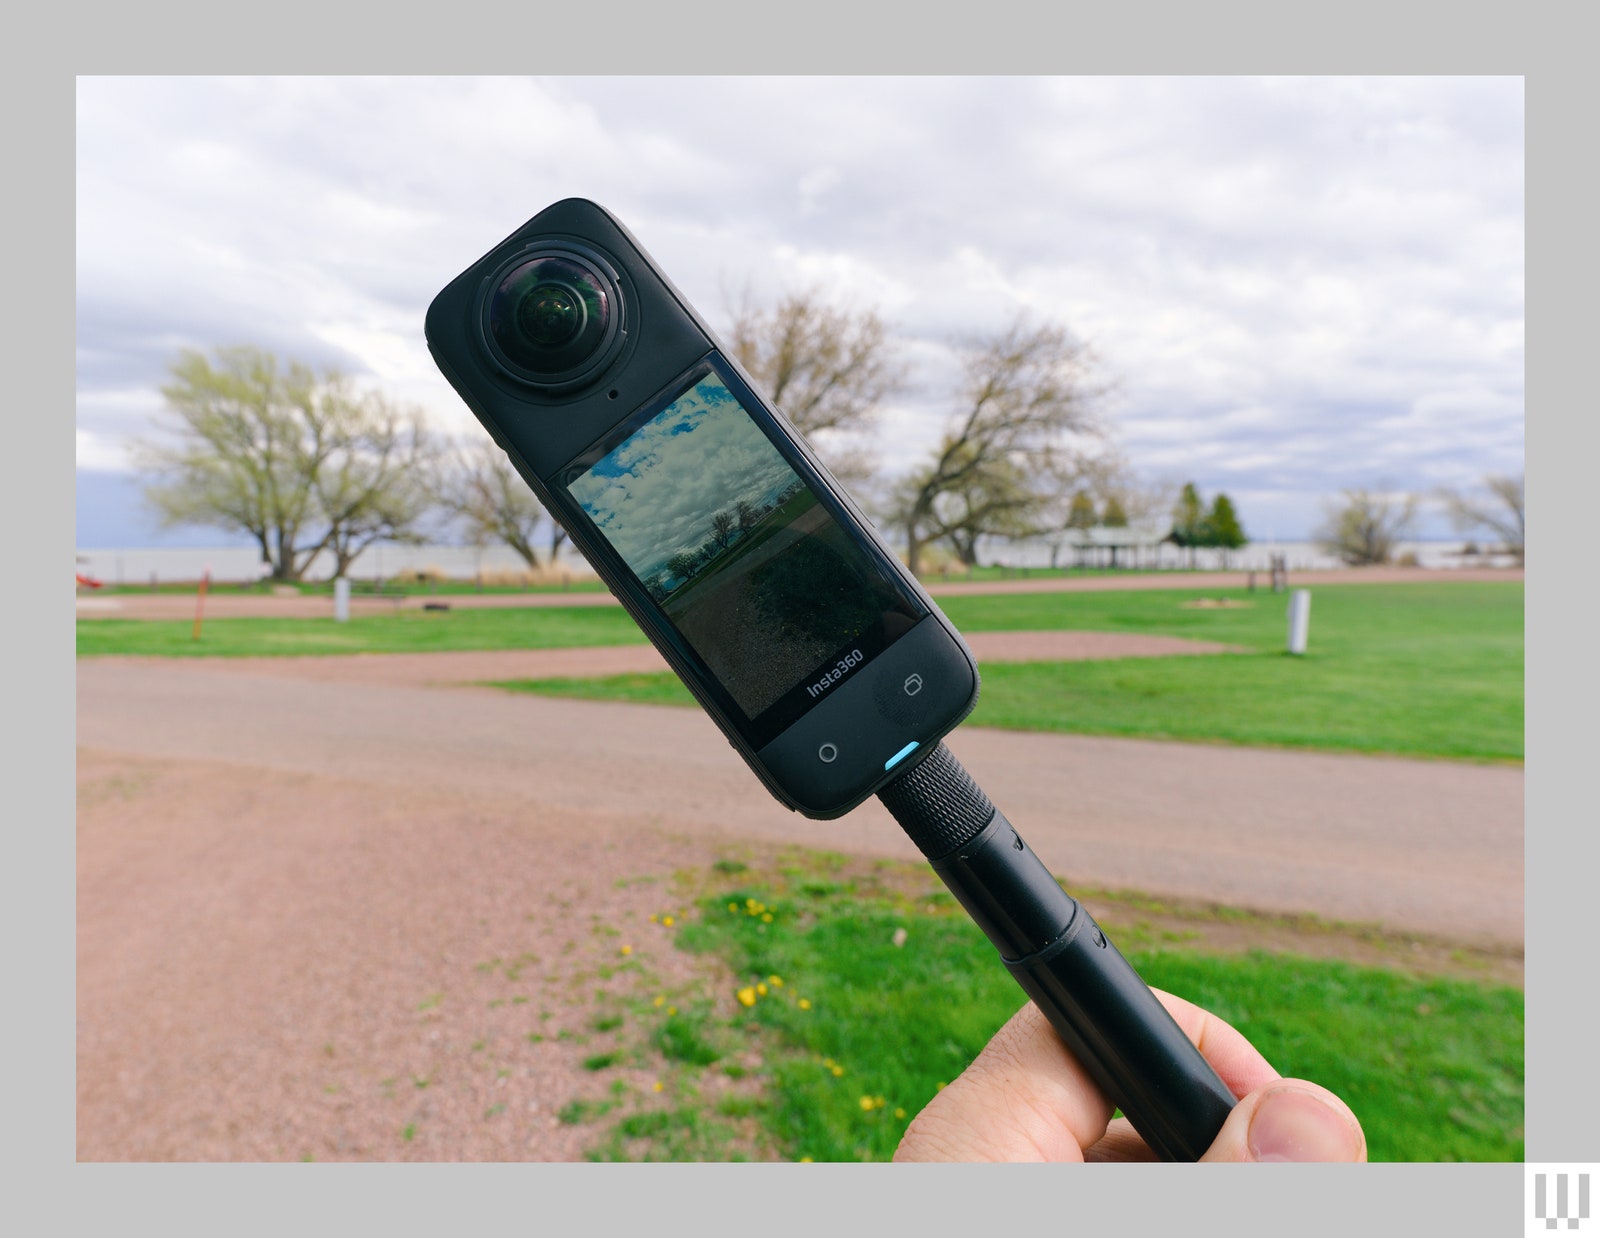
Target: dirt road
x=1427 y=846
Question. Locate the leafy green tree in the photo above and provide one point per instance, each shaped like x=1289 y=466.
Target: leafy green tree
x=1188 y=521
x=1114 y=517
x=1222 y=528
x=1081 y=513
x=299 y=462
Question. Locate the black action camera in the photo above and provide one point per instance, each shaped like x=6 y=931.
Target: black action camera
x=827 y=666
x=819 y=655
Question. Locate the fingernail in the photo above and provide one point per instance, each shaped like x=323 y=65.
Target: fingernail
x=1291 y=1125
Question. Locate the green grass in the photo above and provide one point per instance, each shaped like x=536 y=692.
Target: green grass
x=406 y=631
x=358 y=588
x=1431 y=670
x=1432 y=1067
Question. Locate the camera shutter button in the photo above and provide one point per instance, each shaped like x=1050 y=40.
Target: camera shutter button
x=828 y=753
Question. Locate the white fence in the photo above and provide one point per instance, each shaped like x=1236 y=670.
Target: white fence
x=138 y=566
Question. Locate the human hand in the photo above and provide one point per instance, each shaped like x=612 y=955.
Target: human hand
x=1025 y=1098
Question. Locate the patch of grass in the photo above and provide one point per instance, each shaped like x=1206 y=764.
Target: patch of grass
x=687 y=1036
x=451 y=587
x=1432 y=1066
x=406 y=631
x=1425 y=670
x=577 y=1112
x=685 y=1132
x=600 y=1061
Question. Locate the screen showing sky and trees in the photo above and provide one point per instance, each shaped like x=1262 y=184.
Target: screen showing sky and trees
x=751 y=568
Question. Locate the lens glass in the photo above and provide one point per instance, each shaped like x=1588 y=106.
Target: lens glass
x=549 y=315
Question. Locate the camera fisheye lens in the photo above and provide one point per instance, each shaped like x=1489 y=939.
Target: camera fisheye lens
x=550 y=316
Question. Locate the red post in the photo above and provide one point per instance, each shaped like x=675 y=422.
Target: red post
x=200 y=602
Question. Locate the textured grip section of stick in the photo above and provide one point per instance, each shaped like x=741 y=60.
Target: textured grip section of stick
x=938 y=804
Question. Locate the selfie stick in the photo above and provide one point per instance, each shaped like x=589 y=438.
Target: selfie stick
x=1106 y=1015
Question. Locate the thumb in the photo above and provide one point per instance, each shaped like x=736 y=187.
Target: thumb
x=1290 y=1120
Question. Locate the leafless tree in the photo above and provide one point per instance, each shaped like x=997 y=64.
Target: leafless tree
x=828 y=369
x=1361 y=527
x=478 y=487
x=1015 y=446
x=1499 y=509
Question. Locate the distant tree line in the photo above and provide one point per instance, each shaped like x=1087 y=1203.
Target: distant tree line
x=309 y=463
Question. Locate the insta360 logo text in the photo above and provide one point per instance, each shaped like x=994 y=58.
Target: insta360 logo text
x=1560 y=1209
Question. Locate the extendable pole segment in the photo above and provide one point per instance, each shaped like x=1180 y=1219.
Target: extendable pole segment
x=1104 y=1013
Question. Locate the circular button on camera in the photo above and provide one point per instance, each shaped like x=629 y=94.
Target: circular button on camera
x=828 y=753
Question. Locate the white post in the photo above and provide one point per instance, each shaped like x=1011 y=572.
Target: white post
x=1299 y=619
x=341 y=599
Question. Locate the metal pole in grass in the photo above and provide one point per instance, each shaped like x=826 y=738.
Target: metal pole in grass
x=200 y=600
x=1299 y=619
x=341 y=600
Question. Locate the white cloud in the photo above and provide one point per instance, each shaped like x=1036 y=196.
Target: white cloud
x=97 y=453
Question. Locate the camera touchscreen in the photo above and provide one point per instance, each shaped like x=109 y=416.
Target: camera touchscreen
x=754 y=572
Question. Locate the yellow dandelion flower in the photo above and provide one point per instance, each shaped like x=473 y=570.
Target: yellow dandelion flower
x=805 y=1160
x=747 y=996
x=661 y=999
x=877 y=1102
x=899 y=1113
x=837 y=1071
x=667 y=920
x=652 y=917
x=733 y=906
x=805 y=1003
x=767 y=919
x=775 y=981
x=672 y=1010
x=866 y=1104
x=657 y=1085
x=938 y=1087
x=761 y=989
x=627 y=950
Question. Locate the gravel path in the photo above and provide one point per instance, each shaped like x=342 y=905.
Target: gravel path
x=276 y=965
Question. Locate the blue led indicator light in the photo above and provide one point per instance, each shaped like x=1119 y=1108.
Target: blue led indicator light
x=901 y=755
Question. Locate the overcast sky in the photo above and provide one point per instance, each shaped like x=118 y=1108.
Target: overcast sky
x=1297 y=285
